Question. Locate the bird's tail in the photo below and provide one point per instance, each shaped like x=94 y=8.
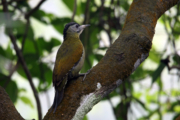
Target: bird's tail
x=57 y=99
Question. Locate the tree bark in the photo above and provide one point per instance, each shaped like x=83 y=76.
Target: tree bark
x=121 y=59
x=7 y=109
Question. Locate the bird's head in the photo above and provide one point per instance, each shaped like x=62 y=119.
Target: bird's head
x=73 y=29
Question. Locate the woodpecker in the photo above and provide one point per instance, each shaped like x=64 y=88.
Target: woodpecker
x=69 y=60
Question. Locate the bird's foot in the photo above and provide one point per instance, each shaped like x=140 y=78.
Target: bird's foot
x=84 y=74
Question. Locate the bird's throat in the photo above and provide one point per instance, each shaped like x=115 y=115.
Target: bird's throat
x=72 y=37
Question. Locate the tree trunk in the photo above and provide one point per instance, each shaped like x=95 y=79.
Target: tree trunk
x=121 y=59
x=7 y=109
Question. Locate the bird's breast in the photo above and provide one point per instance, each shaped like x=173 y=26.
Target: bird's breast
x=77 y=67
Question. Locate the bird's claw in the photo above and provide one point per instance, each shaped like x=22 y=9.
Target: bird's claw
x=84 y=74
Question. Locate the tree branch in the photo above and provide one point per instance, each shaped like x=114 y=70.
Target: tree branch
x=33 y=10
x=21 y=59
x=123 y=57
x=74 y=10
x=7 y=109
x=25 y=33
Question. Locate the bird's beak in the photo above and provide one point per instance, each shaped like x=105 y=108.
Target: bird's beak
x=83 y=26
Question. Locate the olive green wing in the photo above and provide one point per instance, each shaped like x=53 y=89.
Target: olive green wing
x=67 y=56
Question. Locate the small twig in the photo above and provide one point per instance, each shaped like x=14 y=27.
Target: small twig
x=20 y=57
x=86 y=18
x=19 y=54
x=16 y=7
x=11 y=1
x=174 y=67
x=101 y=12
x=86 y=34
x=74 y=10
x=166 y=62
x=18 y=62
x=25 y=33
x=33 y=10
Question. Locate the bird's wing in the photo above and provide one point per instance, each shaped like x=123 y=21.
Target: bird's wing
x=66 y=58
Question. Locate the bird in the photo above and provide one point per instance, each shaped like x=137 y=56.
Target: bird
x=69 y=60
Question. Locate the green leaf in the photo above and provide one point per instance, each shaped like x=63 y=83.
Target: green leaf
x=45 y=77
x=18 y=27
x=20 y=31
x=2 y=77
x=160 y=83
x=21 y=72
x=150 y=98
x=124 y=4
x=93 y=41
x=141 y=103
x=30 y=34
x=23 y=4
x=59 y=23
x=140 y=73
x=98 y=57
x=30 y=58
x=48 y=76
x=175 y=92
x=8 y=52
x=69 y=4
x=176 y=30
x=91 y=58
x=27 y=101
x=86 y=66
x=22 y=90
x=137 y=95
x=29 y=47
x=46 y=45
x=40 y=15
x=12 y=91
x=154 y=56
x=172 y=106
x=85 y=117
x=176 y=59
x=54 y=42
x=158 y=72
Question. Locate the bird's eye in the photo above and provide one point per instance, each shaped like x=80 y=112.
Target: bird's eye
x=77 y=26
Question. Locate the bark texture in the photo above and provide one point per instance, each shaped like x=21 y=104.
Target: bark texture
x=121 y=59
x=7 y=109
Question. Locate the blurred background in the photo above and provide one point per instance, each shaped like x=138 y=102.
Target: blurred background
x=152 y=92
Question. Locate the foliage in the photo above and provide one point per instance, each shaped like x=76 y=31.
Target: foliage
x=105 y=17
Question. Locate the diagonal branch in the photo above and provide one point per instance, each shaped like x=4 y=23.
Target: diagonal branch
x=22 y=61
x=130 y=49
x=74 y=10
x=18 y=62
x=33 y=10
x=7 y=109
x=25 y=33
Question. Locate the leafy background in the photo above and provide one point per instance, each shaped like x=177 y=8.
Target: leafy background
x=151 y=92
